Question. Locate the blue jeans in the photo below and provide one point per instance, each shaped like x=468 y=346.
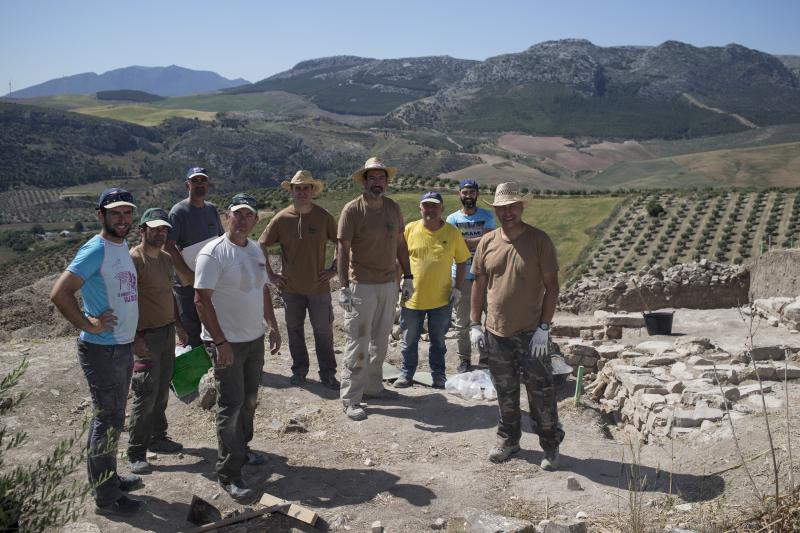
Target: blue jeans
x=108 y=370
x=411 y=321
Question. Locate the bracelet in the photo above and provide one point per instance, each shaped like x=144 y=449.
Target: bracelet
x=408 y=276
x=218 y=344
x=474 y=324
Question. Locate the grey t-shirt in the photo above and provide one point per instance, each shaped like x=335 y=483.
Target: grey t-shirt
x=191 y=225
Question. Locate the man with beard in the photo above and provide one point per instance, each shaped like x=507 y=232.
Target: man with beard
x=371 y=243
x=474 y=222
x=154 y=347
x=104 y=273
x=234 y=301
x=194 y=223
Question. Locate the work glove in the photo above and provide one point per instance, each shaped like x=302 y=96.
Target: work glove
x=346 y=299
x=476 y=337
x=407 y=289
x=455 y=296
x=539 y=342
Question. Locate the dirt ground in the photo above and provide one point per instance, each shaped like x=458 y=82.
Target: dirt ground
x=418 y=457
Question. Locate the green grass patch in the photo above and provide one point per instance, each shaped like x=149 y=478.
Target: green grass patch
x=144 y=115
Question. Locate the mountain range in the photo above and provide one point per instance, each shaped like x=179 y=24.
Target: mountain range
x=162 y=81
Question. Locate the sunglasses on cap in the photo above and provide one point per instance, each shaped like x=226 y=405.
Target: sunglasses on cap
x=114 y=196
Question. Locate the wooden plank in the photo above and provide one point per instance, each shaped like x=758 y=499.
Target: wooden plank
x=249 y=515
x=297 y=512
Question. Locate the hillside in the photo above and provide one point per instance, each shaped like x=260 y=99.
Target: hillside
x=163 y=81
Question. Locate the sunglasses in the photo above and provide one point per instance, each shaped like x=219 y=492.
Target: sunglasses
x=122 y=196
x=198 y=180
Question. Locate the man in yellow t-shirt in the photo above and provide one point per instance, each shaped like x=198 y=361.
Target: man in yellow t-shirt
x=433 y=246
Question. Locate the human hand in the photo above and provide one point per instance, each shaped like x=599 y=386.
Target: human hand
x=183 y=337
x=224 y=355
x=476 y=336
x=278 y=279
x=139 y=346
x=105 y=321
x=539 y=342
x=346 y=299
x=455 y=296
x=326 y=275
x=274 y=337
x=407 y=288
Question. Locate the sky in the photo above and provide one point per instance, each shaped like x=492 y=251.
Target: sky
x=42 y=40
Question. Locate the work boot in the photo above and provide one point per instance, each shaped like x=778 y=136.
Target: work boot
x=297 y=379
x=254 y=458
x=129 y=482
x=331 y=382
x=402 y=382
x=550 y=461
x=355 y=412
x=502 y=451
x=439 y=382
x=164 y=445
x=139 y=466
x=124 y=506
x=237 y=488
x=463 y=366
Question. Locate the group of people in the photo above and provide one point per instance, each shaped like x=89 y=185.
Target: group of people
x=207 y=284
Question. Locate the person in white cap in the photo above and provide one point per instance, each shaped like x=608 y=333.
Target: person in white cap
x=234 y=302
x=516 y=268
x=371 y=244
x=302 y=230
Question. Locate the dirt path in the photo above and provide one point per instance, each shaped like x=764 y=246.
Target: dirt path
x=694 y=101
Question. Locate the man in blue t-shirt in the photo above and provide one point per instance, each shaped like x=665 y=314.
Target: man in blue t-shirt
x=106 y=276
x=474 y=223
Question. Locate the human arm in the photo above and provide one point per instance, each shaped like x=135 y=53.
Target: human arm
x=550 y=280
x=476 y=334
x=327 y=274
x=208 y=316
x=185 y=274
x=183 y=337
x=63 y=297
x=273 y=333
x=269 y=237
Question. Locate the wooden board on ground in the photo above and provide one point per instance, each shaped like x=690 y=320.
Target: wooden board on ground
x=295 y=511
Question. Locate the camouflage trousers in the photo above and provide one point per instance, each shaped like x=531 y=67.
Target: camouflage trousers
x=509 y=363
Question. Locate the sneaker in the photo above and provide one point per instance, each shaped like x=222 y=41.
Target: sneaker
x=402 y=382
x=550 y=461
x=463 y=367
x=139 y=466
x=354 y=412
x=129 y=482
x=439 y=381
x=124 y=506
x=331 y=382
x=297 y=379
x=501 y=452
x=254 y=458
x=237 y=488
x=165 y=445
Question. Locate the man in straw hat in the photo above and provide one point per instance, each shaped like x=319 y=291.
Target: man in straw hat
x=302 y=230
x=516 y=269
x=370 y=244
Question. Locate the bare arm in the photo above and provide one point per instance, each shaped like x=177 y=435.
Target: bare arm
x=273 y=334
x=185 y=273
x=183 y=337
x=208 y=316
x=550 y=296
x=343 y=262
x=461 y=271
x=477 y=297
x=63 y=297
x=327 y=274
x=402 y=255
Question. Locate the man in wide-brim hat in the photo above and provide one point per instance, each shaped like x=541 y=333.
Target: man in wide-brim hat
x=521 y=262
x=303 y=230
x=371 y=243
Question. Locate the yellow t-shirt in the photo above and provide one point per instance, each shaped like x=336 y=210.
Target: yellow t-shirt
x=432 y=253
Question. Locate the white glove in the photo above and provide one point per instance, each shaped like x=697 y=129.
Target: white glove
x=539 y=342
x=407 y=289
x=346 y=299
x=455 y=296
x=476 y=337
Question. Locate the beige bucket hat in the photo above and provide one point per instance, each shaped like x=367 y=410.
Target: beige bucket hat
x=303 y=177
x=373 y=163
x=508 y=193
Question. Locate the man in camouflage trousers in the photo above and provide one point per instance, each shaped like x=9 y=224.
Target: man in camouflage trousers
x=516 y=268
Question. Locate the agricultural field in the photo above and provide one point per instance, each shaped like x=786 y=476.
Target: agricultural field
x=725 y=226
x=144 y=115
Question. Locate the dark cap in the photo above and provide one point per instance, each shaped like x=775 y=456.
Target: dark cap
x=114 y=198
x=196 y=171
x=243 y=200
x=432 y=196
x=155 y=217
x=467 y=184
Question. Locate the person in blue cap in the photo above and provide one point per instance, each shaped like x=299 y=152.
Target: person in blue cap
x=104 y=273
x=474 y=222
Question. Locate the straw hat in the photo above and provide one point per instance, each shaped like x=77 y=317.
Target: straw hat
x=508 y=193
x=373 y=163
x=303 y=177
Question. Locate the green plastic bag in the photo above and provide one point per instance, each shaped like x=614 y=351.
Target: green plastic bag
x=189 y=368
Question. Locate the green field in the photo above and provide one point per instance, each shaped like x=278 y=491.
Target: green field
x=144 y=115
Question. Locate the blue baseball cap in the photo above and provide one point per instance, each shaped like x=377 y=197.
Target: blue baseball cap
x=115 y=197
x=432 y=196
x=467 y=184
x=244 y=201
x=196 y=171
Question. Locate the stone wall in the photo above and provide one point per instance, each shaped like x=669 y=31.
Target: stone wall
x=776 y=273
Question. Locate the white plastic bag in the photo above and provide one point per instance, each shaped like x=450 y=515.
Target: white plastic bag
x=181 y=349
x=475 y=385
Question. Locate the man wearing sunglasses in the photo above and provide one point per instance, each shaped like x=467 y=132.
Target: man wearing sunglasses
x=104 y=273
x=194 y=223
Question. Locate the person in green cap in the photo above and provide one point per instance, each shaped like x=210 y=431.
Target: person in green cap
x=154 y=344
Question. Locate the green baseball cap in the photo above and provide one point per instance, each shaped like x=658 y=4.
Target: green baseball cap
x=155 y=217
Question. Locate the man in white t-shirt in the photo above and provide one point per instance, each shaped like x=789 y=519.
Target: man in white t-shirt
x=233 y=301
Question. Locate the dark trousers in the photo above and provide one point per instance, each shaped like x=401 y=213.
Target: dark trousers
x=320 y=313
x=108 y=372
x=510 y=359
x=151 y=377
x=237 y=397
x=188 y=314
x=411 y=322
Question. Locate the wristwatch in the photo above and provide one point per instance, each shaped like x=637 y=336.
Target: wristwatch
x=544 y=326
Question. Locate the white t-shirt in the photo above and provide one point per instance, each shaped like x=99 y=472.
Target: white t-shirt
x=237 y=275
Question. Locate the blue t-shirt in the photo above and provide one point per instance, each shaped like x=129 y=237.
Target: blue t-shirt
x=471 y=226
x=109 y=282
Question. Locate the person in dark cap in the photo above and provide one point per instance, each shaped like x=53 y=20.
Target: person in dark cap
x=104 y=273
x=194 y=223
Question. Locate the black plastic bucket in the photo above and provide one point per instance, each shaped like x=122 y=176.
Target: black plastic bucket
x=658 y=323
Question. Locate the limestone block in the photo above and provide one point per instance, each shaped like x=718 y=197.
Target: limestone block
x=791 y=313
x=766 y=353
x=689 y=418
x=613 y=332
x=611 y=390
x=665 y=359
x=562 y=526
x=653 y=347
x=630 y=354
x=690 y=340
x=675 y=387
x=610 y=351
x=650 y=400
x=772 y=306
x=481 y=521
x=634 y=382
x=747 y=390
x=680 y=371
x=622 y=320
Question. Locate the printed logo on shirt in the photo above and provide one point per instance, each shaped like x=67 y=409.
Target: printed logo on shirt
x=127 y=286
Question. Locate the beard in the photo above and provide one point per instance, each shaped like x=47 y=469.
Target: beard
x=376 y=191
x=468 y=202
x=155 y=242
x=111 y=230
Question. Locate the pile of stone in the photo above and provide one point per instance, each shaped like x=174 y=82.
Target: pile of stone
x=698 y=285
x=780 y=310
x=659 y=388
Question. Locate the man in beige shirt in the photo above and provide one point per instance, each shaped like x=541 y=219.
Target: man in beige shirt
x=516 y=269
x=371 y=243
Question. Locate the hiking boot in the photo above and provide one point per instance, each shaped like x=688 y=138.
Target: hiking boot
x=254 y=458
x=354 y=412
x=237 y=488
x=402 y=382
x=331 y=382
x=165 y=445
x=550 y=461
x=383 y=394
x=124 y=506
x=129 y=482
x=297 y=379
x=483 y=361
x=139 y=466
x=501 y=452
x=439 y=382
x=463 y=367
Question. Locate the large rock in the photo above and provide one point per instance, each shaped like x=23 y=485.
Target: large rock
x=791 y=314
x=653 y=347
x=689 y=418
x=562 y=526
x=480 y=521
x=619 y=319
x=610 y=351
x=208 y=390
x=765 y=353
x=635 y=382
